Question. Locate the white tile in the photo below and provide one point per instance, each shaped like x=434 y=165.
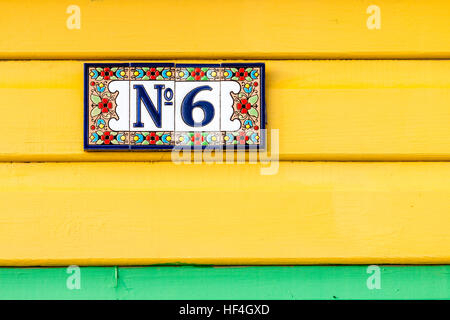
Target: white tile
x=210 y=93
x=166 y=107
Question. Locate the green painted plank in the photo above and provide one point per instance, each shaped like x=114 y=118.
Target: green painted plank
x=51 y=283
x=196 y=282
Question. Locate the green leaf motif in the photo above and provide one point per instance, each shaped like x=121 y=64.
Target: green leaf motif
x=159 y=78
x=95 y=112
x=190 y=78
x=160 y=68
x=145 y=68
x=253 y=112
x=204 y=69
x=159 y=142
x=145 y=78
x=159 y=134
x=95 y=99
x=190 y=69
x=205 y=78
x=99 y=78
x=114 y=142
x=248 y=78
x=99 y=141
x=235 y=78
x=145 y=142
x=113 y=78
x=252 y=100
x=248 y=69
x=234 y=69
x=114 y=69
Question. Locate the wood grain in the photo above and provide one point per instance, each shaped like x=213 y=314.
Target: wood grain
x=324 y=110
x=236 y=29
x=153 y=213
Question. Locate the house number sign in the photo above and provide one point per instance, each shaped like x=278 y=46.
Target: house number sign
x=157 y=106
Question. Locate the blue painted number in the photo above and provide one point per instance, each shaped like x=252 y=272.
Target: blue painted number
x=187 y=106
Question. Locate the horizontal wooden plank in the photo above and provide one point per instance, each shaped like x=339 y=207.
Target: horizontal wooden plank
x=206 y=283
x=152 y=213
x=225 y=30
x=324 y=110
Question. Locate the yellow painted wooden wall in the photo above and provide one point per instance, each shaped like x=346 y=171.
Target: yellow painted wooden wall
x=364 y=143
x=233 y=29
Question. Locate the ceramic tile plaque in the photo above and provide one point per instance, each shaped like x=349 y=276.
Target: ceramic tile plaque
x=156 y=106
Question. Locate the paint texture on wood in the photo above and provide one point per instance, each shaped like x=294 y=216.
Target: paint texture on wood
x=225 y=29
x=152 y=213
x=324 y=110
x=209 y=283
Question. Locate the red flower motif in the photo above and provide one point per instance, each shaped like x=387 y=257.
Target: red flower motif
x=197 y=73
x=105 y=105
x=241 y=138
x=153 y=73
x=107 y=137
x=243 y=106
x=106 y=73
x=152 y=138
x=197 y=138
x=241 y=74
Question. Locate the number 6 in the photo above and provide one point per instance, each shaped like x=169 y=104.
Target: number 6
x=187 y=106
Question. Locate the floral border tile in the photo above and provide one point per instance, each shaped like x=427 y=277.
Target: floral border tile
x=150 y=71
x=100 y=105
x=248 y=104
x=198 y=72
x=151 y=138
x=197 y=139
